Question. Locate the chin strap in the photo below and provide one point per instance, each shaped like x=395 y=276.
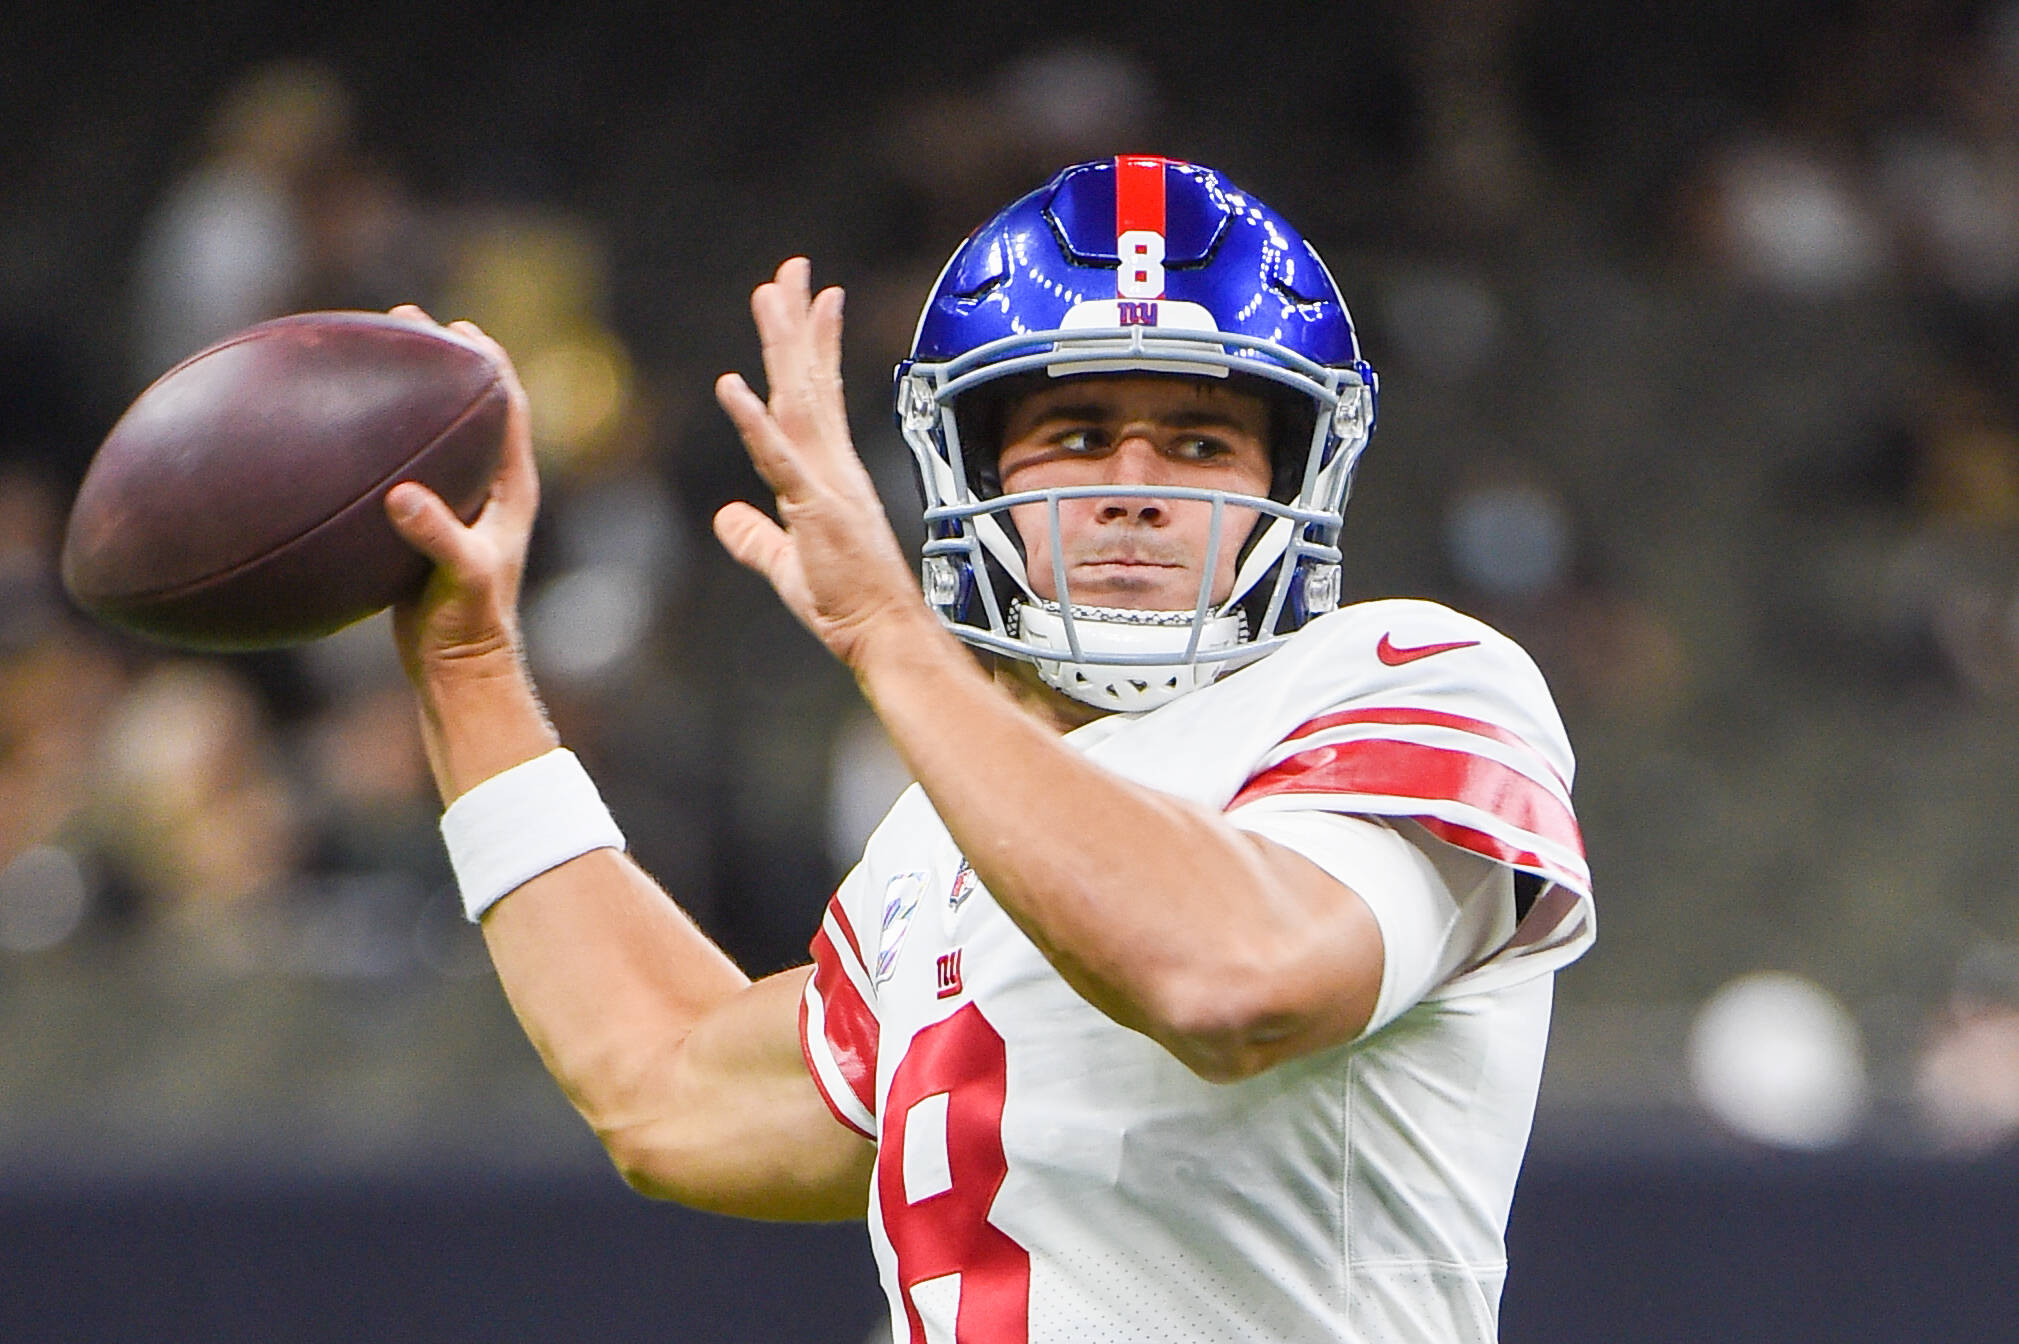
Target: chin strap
x=1128 y=688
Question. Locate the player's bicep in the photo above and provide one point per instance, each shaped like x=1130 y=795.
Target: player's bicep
x=1425 y=907
x=745 y=1130
x=1339 y=971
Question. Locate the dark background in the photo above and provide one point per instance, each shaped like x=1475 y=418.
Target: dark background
x=1699 y=332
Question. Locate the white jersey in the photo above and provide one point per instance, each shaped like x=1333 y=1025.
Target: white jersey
x=1044 y=1174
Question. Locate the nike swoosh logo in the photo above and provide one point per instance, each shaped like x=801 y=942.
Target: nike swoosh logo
x=1388 y=653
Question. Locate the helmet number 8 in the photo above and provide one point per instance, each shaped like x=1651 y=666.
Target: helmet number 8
x=1142 y=273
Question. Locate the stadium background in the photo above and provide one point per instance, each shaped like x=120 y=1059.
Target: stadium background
x=1699 y=330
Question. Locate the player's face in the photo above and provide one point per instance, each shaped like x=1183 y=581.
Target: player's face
x=1135 y=429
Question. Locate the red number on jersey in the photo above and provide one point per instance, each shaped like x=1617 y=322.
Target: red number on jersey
x=939 y=1164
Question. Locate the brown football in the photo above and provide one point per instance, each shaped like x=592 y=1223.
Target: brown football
x=240 y=501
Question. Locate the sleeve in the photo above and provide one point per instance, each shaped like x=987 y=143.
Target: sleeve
x=837 y=1017
x=1440 y=909
x=1448 y=724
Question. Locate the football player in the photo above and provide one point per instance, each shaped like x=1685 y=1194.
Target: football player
x=1198 y=989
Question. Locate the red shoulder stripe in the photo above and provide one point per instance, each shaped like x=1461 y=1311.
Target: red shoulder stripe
x=1427 y=718
x=1493 y=847
x=1431 y=774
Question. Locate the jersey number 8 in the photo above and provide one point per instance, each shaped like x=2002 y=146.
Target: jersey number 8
x=939 y=1165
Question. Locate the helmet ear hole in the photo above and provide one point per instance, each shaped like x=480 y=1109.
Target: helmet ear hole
x=981 y=416
x=1293 y=418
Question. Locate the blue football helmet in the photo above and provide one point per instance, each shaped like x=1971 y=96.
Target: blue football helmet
x=1142 y=265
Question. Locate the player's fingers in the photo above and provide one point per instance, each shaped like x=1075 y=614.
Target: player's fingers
x=771 y=450
x=826 y=343
x=751 y=538
x=803 y=369
x=462 y=326
x=780 y=322
x=826 y=312
x=795 y=279
x=427 y=524
x=782 y=311
x=515 y=494
x=411 y=312
x=508 y=373
x=779 y=301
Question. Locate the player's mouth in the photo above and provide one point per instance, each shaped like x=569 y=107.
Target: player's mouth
x=1133 y=555
x=1126 y=570
x=1132 y=581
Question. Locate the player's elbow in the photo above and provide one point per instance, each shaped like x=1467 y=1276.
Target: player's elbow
x=1227 y=1058
x=1253 y=1001
x=693 y=1166
x=1225 y=1030
x=643 y=1158
x=1247 y=1012
x=658 y=1162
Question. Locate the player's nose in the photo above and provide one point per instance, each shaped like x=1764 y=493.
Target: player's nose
x=1135 y=461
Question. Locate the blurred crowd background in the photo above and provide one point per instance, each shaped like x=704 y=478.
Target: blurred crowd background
x=1698 y=328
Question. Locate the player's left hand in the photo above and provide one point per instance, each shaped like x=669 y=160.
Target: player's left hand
x=831 y=556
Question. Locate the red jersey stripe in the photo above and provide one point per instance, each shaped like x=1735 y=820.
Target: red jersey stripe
x=850 y=1025
x=1493 y=847
x=1427 y=718
x=1433 y=774
x=837 y=1109
x=847 y=931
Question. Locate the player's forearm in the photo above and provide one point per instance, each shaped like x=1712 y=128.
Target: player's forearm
x=606 y=974
x=690 y=1075
x=1157 y=911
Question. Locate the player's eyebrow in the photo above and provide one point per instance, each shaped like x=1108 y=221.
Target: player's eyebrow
x=1201 y=418
x=1075 y=410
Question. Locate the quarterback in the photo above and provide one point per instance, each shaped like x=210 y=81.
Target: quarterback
x=1199 y=987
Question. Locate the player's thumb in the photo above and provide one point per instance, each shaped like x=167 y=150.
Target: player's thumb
x=425 y=523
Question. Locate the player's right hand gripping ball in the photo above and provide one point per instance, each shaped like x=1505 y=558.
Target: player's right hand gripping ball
x=240 y=501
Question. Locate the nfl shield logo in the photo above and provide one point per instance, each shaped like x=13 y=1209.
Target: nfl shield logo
x=964 y=883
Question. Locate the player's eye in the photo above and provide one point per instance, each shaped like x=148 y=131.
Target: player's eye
x=1200 y=447
x=1080 y=439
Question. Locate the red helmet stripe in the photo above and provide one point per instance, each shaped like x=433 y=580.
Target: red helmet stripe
x=1139 y=205
x=1139 y=193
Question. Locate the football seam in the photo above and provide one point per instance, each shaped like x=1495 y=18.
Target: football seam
x=116 y=600
x=260 y=329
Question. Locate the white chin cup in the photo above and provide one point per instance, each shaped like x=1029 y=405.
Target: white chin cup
x=1107 y=634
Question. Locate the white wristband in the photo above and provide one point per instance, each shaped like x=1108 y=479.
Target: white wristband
x=518 y=824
